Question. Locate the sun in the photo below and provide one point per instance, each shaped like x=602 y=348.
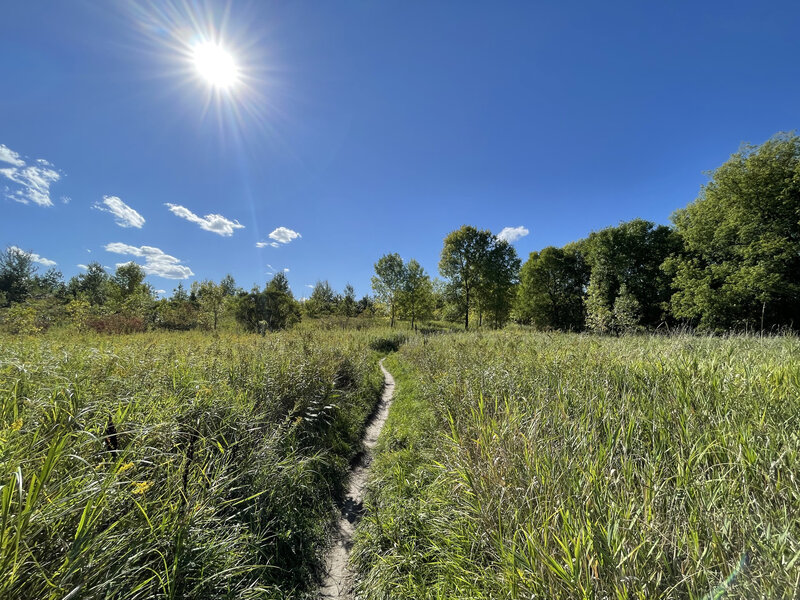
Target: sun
x=215 y=65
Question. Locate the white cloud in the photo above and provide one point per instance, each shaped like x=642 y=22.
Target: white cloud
x=214 y=223
x=34 y=257
x=261 y=244
x=156 y=261
x=124 y=215
x=66 y=199
x=512 y=234
x=7 y=155
x=286 y=270
x=308 y=285
x=34 y=184
x=32 y=181
x=84 y=267
x=283 y=235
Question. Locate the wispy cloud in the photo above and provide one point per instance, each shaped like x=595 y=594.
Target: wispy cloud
x=264 y=244
x=282 y=235
x=7 y=155
x=84 y=267
x=34 y=257
x=124 y=215
x=156 y=261
x=214 y=223
x=512 y=234
x=31 y=182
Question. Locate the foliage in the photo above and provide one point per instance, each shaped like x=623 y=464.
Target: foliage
x=389 y=281
x=175 y=465
x=416 y=296
x=272 y=309
x=323 y=300
x=16 y=275
x=566 y=466
x=550 y=294
x=463 y=261
x=741 y=265
x=631 y=254
x=627 y=311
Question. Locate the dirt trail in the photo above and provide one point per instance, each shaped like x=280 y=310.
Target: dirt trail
x=336 y=582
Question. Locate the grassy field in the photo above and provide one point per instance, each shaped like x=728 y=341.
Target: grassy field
x=175 y=465
x=519 y=465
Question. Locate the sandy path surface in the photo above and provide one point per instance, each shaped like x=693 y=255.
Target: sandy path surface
x=336 y=582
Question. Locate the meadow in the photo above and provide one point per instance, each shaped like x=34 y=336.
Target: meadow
x=556 y=466
x=176 y=465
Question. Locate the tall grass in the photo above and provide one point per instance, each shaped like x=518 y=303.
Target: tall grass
x=567 y=466
x=175 y=465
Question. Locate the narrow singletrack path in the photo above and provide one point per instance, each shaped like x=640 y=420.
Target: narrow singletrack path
x=336 y=582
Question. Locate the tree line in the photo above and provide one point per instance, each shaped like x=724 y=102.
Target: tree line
x=729 y=261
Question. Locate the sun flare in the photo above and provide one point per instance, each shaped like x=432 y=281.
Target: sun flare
x=215 y=65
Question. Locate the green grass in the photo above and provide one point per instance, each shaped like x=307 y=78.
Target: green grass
x=567 y=466
x=176 y=465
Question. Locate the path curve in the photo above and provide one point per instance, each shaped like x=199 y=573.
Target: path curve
x=336 y=582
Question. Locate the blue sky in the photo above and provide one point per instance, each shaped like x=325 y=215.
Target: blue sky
x=368 y=127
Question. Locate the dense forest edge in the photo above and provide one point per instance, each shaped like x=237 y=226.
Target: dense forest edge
x=730 y=261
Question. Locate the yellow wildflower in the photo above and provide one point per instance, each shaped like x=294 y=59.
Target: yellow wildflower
x=16 y=425
x=124 y=467
x=140 y=487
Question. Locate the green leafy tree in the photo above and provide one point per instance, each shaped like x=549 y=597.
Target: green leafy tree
x=129 y=293
x=740 y=266
x=627 y=311
x=211 y=298
x=631 y=254
x=599 y=312
x=463 y=262
x=281 y=310
x=348 y=305
x=273 y=309
x=389 y=281
x=499 y=278
x=416 y=299
x=551 y=290
x=93 y=285
x=322 y=301
x=17 y=272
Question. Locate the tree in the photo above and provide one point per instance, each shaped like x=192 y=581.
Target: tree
x=627 y=311
x=348 y=306
x=499 y=277
x=92 y=285
x=551 y=289
x=740 y=264
x=16 y=274
x=280 y=308
x=599 y=314
x=211 y=298
x=228 y=285
x=388 y=281
x=462 y=261
x=631 y=254
x=273 y=309
x=416 y=298
x=322 y=301
x=128 y=291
